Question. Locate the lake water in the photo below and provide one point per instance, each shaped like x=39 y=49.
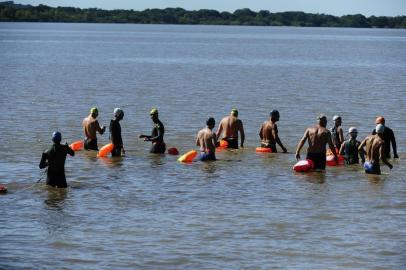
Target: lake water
x=245 y=211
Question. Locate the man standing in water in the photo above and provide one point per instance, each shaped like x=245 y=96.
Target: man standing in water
x=317 y=136
x=90 y=127
x=388 y=137
x=206 y=139
x=54 y=158
x=375 y=151
x=349 y=148
x=269 y=133
x=337 y=133
x=115 y=133
x=157 y=134
x=231 y=125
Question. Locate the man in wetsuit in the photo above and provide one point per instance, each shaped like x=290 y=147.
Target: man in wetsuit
x=157 y=134
x=317 y=136
x=115 y=133
x=337 y=133
x=207 y=141
x=349 y=148
x=388 y=137
x=90 y=127
x=54 y=158
x=230 y=126
x=375 y=151
x=269 y=133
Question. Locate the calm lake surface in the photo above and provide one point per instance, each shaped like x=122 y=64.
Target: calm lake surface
x=245 y=211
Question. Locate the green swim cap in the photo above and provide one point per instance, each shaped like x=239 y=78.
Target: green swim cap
x=153 y=111
x=94 y=110
x=234 y=112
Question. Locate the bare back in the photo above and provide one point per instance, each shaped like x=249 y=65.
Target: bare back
x=318 y=137
x=373 y=145
x=268 y=132
x=230 y=125
x=206 y=139
x=90 y=127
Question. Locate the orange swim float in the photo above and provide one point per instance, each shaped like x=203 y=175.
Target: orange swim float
x=76 y=146
x=105 y=150
x=188 y=157
x=303 y=166
x=263 y=150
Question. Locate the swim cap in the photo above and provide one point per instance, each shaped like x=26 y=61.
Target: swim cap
x=94 y=110
x=336 y=117
x=118 y=112
x=380 y=120
x=56 y=137
x=352 y=130
x=211 y=121
x=234 y=112
x=274 y=113
x=380 y=128
x=153 y=111
x=321 y=116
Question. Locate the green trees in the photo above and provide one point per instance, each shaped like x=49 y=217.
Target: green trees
x=14 y=13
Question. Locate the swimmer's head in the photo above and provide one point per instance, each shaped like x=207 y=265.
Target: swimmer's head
x=234 y=112
x=94 y=112
x=337 y=119
x=353 y=132
x=380 y=120
x=379 y=128
x=211 y=122
x=275 y=114
x=322 y=120
x=153 y=111
x=56 y=137
x=118 y=113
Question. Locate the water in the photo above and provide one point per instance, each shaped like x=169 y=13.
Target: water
x=245 y=211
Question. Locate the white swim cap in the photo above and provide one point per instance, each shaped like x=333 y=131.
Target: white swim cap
x=379 y=128
x=336 y=117
x=117 y=112
x=352 y=130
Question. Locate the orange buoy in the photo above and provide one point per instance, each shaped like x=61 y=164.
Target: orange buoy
x=263 y=150
x=188 y=157
x=173 y=151
x=303 y=166
x=3 y=189
x=223 y=144
x=105 y=150
x=76 y=146
x=330 y=161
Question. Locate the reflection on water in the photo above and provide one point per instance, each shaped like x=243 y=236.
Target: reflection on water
x=245 y=210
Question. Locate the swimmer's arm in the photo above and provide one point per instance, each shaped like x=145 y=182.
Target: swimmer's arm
x=341 y=135
x=382 y=156
x=393 y=141
x=219 y=130
x=197 y=139
x=361 y=153
x=301 y=143
x=331 y=145
x=361 y=146
x=241 y=128
x=342 y=148
x=69 y=150
x=102 y=129
x=43 y=163
x=260 y=132
x=278 y=140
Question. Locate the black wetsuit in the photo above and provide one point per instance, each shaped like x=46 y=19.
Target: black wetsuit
x=335 y=136
x=232 y=143
x=90 y=144
x=388 y=137
x=269 y=145
x=351 y=151
x=319 y=160
x=157 y=138
x=115 y=137
x=54 y=158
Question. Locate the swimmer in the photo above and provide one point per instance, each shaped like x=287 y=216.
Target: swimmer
x=269 y=133
x=388 y=137
x=90 y=127
x=157 y=134
x=206 y=139
x=349 y=148
x=54 y=158
x=375 y=151
x=337 y=133
x=115 y=133
x=230 y=126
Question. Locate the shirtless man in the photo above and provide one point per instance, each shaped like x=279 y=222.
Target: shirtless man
x=375 y=151
x=337 y=133
x=90 y=127
x=206 y=139
x=231 y=125
x=269 y=133
x=317 y=136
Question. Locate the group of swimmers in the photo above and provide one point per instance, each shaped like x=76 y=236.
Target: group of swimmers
x=230 y=130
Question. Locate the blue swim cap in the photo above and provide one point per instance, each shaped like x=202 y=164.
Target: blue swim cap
x=56 y=137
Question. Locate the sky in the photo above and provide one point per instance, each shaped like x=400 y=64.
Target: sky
x=332 y=7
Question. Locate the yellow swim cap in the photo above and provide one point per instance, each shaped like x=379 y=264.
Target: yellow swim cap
x=94 y=110
x=153 y=111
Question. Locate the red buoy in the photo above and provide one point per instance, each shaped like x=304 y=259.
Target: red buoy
x=3 y=189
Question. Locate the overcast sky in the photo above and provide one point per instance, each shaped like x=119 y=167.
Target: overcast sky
x=333 y=7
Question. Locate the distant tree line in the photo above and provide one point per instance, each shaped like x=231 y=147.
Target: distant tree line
x=10 y=12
